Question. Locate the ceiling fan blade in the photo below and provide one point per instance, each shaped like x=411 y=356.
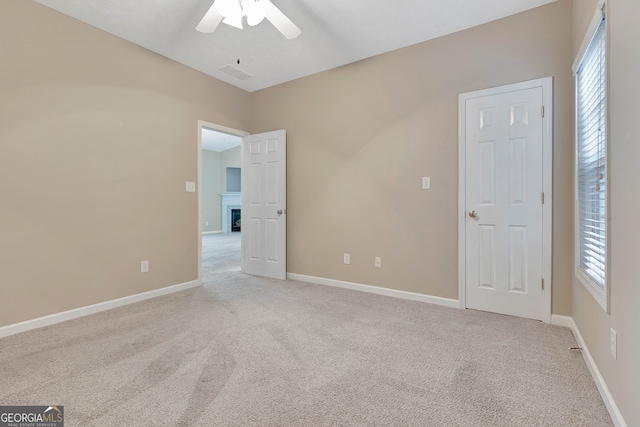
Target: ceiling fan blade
x=280 y=21
x=210 y=21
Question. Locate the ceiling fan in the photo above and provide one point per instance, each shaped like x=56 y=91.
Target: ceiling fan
x=233 y=12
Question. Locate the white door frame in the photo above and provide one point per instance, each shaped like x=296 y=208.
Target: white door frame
x=218 y=128
x=546 y=84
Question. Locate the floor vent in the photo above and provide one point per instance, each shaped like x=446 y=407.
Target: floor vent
x=235 y=72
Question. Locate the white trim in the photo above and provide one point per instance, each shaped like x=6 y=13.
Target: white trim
x=52 y=319
x=462 y=204
x=446 y=302
x=591 y=29
x=614 y=412
x=546 y=84
x=598 y=293
x=211 y=232
x=218 y=128
x=601 y=295
x=564 y=321
x=243 y=178
x=547 y=188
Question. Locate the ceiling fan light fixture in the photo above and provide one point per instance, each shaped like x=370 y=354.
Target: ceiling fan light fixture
x=254 y=11
x=232 y=12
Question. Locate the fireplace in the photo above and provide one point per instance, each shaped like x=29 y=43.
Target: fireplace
x=230 y=201
x=235 y=219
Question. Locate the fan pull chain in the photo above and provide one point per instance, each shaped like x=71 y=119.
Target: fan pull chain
x=238 y=46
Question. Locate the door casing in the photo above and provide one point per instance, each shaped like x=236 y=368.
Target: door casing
x=218 y=128
x=546 y=84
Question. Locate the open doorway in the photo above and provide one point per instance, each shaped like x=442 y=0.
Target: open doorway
x=220 y=199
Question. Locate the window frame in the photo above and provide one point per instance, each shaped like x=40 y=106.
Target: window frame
x=601 y=293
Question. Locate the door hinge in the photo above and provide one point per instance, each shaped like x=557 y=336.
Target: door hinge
x=542 y=198
x=542 y=111
x=543 y=284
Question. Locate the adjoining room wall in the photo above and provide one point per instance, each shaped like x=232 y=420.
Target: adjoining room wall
x=211 y=189
x=360 y=137
x=622 y=375
x=230 y=158
x=97 y=139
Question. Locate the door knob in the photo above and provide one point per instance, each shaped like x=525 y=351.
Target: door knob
x=280 y=211
x=473 y=214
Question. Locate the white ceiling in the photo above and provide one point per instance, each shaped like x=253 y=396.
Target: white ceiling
x=334 y=32
x=218 y=141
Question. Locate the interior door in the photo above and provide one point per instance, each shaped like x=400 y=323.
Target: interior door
x=503 y=200
x=264 y=203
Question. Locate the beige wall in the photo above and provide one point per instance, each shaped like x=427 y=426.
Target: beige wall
x=211 y=189
x=97 y=139
x=622 y=375
x=98 y=136
x=360 y=137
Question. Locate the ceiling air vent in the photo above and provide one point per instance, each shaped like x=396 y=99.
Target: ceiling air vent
x=235 y=72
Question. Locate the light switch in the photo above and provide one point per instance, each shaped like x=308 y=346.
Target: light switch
x=426 y=182
x=191 y=187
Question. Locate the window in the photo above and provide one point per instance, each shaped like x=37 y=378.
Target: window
x=591 y=165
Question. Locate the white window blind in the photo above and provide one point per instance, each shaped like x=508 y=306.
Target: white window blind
x=591 y=158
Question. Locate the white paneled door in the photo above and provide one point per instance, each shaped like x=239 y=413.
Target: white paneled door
x=504 y=203
x=264 y=204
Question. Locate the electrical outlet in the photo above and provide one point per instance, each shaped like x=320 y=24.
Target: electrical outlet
x=614 y=344
x=378 y=262
x=190 y=187
x=144 y=266
x=347 y=258
x=206 y=223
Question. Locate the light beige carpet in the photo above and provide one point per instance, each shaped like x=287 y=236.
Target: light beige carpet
x=220 y=253
x=244 y=351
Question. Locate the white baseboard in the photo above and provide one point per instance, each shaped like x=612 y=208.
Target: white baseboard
x=51 y=319
x=212 y=232
x=375 y=290
x=564 y=321
x=616 y=416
